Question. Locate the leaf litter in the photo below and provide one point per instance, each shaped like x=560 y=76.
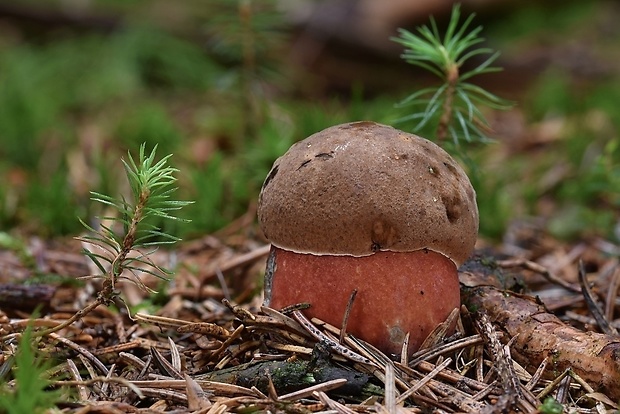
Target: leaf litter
x=531 y=327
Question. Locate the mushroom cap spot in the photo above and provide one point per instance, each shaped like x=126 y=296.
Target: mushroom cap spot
x=360 y=187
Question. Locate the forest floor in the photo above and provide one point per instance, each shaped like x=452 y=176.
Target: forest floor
x=536 y=333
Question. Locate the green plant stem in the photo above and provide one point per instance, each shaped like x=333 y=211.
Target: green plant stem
x=128 y=240
x=452 y=79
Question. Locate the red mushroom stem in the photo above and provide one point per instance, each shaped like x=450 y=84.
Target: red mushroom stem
x=411 y=280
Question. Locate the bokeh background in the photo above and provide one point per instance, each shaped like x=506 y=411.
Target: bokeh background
x=228 y=85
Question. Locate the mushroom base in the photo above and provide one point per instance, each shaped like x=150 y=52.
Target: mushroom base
x=397 y=293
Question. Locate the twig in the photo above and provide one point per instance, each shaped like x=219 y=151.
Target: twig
x=593 y=307
x=553 y=384
x=390 y=388
x=541 y=270
x=612 y=293
x=453 y=376
x=112 y=380
x=335 y=346
x=503 y=366
x=428 y=354
x=439 y=333
x=324 y=386
x=75 y=317
x=404 y=351
x=419 y=384
x=102 y=368
x=223 y=284
x=165 y=366
x=563 y=389
x=75 y=372
x=345 y=318
x=538 y=374
x=334 y=405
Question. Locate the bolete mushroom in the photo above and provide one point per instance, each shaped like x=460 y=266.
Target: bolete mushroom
x=366 y=207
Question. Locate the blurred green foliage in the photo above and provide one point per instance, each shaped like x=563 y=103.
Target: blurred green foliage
x=222 y=97
x=554 y=20
x=570 y=174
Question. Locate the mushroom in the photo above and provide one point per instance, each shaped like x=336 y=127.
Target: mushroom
x=365 y=207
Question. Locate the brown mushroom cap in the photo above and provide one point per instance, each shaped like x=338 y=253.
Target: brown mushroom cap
x=360 y=187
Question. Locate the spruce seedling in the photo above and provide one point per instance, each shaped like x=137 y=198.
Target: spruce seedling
x=29 y=392
x=124 y=255
x=454 y=104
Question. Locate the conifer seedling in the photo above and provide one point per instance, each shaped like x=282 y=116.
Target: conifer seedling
x=152 y=185
x=454 y=106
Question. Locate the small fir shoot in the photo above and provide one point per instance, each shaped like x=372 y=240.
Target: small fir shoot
x=151 y=188
x=125 y=255
x=453 y=106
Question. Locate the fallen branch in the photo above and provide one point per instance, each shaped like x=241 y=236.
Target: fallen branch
x=538 y=334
